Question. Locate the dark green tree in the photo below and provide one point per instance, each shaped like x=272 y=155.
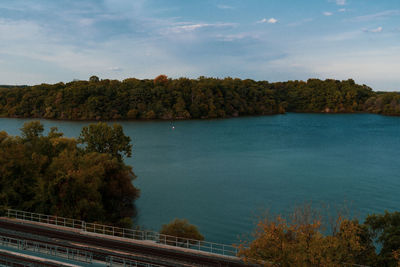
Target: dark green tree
x=183 y=229
x=54 y=175
x=386 y=229
x=103 y=138
x=94 y=79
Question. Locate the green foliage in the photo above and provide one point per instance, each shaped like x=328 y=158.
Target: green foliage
x=52 y=174
x=181 y=228
x=202 y=98
x=384 y=103
x=94 y=79
x=386 y=229
x=106 y=139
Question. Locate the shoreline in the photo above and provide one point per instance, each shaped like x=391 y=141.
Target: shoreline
x=198 y=119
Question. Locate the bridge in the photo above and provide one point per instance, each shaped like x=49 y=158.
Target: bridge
x=32 y=239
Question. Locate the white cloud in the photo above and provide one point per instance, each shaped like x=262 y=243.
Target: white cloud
x=238 y=36
x=342 y=10
x=327 y=13
x=270 y=21
x=379 y=29
x=376 y=30
x=189 y=27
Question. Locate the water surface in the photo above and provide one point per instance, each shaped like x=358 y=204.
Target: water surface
x=219 y=174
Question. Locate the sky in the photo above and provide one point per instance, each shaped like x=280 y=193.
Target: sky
x=48 y=41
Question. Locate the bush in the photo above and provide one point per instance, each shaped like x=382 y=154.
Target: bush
x=183 y=229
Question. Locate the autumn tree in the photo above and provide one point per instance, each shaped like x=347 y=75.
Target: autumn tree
x=161 y=80
x=31 y=130
x=299 y=240
x=103 y=138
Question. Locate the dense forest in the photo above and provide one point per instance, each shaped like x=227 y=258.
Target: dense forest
x=202 y=98
x=83 y=178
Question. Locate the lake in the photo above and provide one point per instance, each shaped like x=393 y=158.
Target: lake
x=221 y=174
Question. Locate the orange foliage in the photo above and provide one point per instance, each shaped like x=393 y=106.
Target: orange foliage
x=161 y=80
x=299 y=241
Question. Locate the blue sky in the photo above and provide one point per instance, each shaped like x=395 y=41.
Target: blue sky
x=276 y=40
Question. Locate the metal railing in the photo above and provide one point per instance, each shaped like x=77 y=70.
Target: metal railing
x=115 y=261
x=6 y=262
x=205 y=246
x=47 y=249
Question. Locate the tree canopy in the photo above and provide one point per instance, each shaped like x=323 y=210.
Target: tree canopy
x=52 y=174
x=102 y=138
x=181 y=228
x=202 y=98
x=303 y=238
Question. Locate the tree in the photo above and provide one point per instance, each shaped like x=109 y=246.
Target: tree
x=32 y=130
x=161 y=80
x=103 y=138
x=3 y=136
x=94 y=79
x=386 y=229
x=181 y=229
x=298 y=240
x=54 y=175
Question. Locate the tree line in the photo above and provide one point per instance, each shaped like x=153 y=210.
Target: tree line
x=83 y=178
x=183 y=98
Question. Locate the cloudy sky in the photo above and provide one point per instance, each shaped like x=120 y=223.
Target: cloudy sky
x=276 y=40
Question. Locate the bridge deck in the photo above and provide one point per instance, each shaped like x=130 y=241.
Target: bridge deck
x=123 y=247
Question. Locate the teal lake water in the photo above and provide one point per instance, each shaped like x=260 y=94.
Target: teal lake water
x=220 y=174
